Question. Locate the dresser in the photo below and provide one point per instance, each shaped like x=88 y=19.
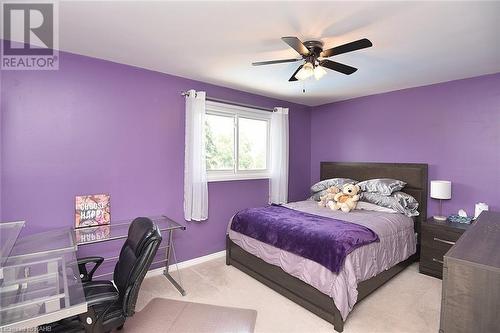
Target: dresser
x=471 y=279
x=437 y=238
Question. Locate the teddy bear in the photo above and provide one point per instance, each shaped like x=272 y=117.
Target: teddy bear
x=328 y=196
x=347 y=199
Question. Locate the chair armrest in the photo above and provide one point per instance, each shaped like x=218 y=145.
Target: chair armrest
x=85 y=274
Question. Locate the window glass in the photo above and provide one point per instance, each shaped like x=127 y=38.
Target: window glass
x=252 y=144
x=219 y=142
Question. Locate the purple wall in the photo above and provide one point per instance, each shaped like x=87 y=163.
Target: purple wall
x=452 y=126
x=1 y=140
x=96 y=126
x=99 y=127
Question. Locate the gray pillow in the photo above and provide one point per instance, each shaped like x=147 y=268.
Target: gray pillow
x=324 y=184
x=399 y=201
x=384 y=186
x=316 y=196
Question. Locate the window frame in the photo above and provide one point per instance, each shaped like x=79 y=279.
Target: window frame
x=237 y=112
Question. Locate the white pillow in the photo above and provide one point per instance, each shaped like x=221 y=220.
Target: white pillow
x=376 y=208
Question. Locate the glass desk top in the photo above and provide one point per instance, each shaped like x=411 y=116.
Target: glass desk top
x=9 y=231
x=119 y=230
x=40 y=281
x=58 y=240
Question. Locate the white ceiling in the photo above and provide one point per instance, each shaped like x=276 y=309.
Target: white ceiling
x=415 y=43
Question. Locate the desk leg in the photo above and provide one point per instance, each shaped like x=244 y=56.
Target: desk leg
x=166 y=272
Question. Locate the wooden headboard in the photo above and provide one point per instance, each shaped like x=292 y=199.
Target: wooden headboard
x=414 y=174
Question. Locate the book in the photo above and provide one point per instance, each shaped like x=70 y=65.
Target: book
x=92 y=210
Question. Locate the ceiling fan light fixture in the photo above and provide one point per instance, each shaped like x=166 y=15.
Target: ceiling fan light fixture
x=319 y=72
x=305 y=72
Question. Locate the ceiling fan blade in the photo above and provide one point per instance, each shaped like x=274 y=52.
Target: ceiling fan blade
x=293 y=78
x=352 y=46
x=296 y=44
x=260 y=63
x=337 y=66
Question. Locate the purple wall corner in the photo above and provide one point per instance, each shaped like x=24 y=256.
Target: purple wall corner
x=97 y=126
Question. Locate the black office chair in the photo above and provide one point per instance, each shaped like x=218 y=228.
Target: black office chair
x=109 y=306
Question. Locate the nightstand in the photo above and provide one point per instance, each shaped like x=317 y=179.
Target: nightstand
x=436 y=239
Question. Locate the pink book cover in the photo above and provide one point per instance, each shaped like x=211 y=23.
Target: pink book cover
x=92 y=210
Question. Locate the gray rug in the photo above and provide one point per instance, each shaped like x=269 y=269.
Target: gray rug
x=166 y=315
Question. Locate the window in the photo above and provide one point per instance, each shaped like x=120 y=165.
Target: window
x=236 y=142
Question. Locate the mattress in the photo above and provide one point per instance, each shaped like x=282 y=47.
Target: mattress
x=397 y=243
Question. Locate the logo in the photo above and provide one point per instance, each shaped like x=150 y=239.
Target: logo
x=29 y=36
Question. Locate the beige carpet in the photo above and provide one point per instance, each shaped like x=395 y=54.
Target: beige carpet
x=408 y=303
x=167 y=315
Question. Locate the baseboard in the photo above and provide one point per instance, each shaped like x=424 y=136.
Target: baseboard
x=187 y=263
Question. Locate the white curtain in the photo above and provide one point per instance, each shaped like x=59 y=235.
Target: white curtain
x=278 y=184
x=195 y=170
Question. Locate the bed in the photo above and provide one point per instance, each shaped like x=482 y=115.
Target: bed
x=312 y=294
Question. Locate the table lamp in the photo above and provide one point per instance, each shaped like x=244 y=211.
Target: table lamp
x=440 y=189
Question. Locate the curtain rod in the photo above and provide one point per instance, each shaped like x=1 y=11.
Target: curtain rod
x=185 y=93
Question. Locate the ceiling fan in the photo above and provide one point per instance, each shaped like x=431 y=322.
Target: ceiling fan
x=313 y=54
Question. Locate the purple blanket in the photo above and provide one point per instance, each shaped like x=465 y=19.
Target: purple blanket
x=324 y=240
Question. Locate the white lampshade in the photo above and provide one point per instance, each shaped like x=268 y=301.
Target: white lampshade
x=319 y=72
x=440 y=189
x=305 y=72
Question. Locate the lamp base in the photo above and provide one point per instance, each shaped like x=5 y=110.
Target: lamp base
x=440 y=218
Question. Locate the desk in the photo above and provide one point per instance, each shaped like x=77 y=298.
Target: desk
x=119 y=230
x=39 y=278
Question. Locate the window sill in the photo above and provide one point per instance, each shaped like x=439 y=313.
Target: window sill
x=228 y=178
